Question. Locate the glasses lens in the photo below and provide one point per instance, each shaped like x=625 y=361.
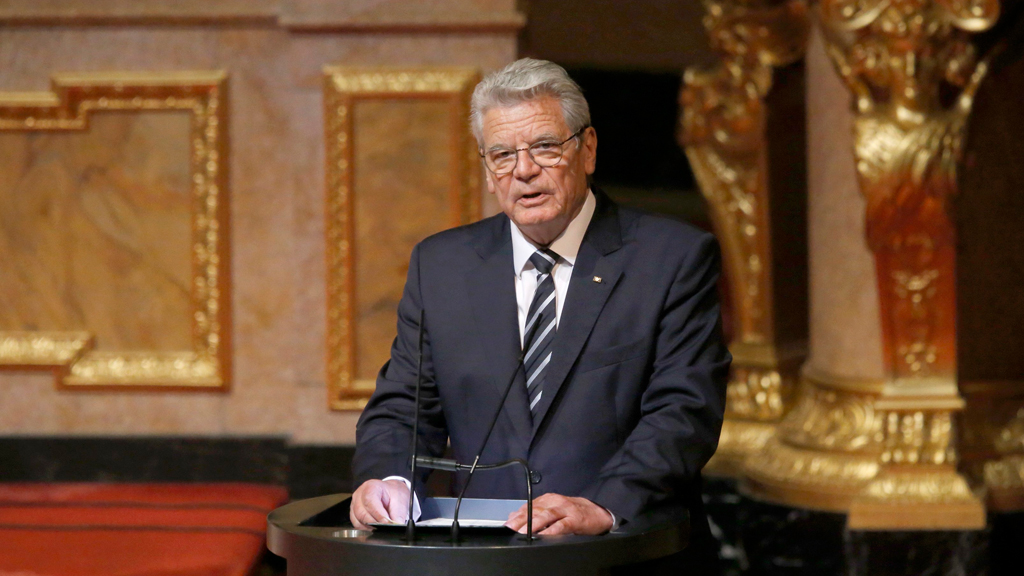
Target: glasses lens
x=546 y=153
x=501 y=161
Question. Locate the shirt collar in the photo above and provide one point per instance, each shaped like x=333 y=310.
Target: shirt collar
x=566 y=245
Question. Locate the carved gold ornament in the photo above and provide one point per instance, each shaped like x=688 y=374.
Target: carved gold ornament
x=345 y=88
x=207 y=364
x=901 y=59
x=722 y=130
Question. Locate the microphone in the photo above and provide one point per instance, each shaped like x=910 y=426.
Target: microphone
x=476 y=460
x=410 y=524
x=455 y=466
x=439 y=463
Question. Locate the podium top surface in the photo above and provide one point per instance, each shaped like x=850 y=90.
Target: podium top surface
x=316 y=537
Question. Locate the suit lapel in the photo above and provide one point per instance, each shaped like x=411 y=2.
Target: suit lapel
x=584 y=300
x=492 y=298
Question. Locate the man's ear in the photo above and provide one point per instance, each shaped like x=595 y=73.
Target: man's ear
x=590 y=150
x=489 y=178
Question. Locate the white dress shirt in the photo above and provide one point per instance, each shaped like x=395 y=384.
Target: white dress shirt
x=566 y=245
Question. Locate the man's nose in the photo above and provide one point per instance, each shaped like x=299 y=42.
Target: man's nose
x=526 y=168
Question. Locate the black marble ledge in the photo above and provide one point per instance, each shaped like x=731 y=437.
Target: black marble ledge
x=143 y=459
x=917 y=553
x=783 y=541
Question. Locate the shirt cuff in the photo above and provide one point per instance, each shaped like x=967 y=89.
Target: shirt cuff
x=615 y=520
x=416 y=513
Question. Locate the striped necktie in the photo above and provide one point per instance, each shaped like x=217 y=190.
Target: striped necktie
x=540 y=326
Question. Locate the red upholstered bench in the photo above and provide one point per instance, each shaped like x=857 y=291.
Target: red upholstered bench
x=133 y=529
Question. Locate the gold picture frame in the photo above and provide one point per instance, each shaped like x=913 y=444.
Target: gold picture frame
x=207 y=366
x=344 y=88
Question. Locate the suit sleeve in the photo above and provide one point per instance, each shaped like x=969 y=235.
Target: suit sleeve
x=384 y=430
x=683 y=405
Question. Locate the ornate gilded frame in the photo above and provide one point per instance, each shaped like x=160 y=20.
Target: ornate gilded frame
x=343 y=87
x=207 y=366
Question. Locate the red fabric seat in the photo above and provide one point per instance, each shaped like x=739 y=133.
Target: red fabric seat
x=133 y=529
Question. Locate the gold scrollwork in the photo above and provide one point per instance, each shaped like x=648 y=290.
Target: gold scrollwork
x=896 y=56
x=207 y=365
x=821 y=480
x=343 y=86
x=825 y=418
x=722 y=130
x=826 y=449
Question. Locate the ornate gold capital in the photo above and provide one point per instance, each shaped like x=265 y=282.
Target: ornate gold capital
x=901 y=59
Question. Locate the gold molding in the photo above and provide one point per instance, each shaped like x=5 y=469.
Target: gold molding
x=208 y=364
x=722 y=130
x=343 y=86
x=22 y=349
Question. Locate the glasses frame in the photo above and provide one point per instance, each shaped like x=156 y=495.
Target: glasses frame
x=561 y=149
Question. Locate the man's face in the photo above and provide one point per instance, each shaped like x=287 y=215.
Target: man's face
x=540 y=200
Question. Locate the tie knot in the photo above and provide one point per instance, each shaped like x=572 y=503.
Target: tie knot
x=544 y=260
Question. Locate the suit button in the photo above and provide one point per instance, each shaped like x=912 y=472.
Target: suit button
x=535 y=477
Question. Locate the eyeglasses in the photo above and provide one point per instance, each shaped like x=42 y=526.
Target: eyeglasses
x=546 y=153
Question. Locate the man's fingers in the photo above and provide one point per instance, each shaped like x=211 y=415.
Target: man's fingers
x=355 y=514
x=562 y=526
x=557 y=514
x=517 y=519
x=374 y=508
x=369 y=504
x=397 y=501
x=542 y=518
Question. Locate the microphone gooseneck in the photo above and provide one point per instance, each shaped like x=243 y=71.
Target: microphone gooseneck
x=476 y=460
x=410 y=524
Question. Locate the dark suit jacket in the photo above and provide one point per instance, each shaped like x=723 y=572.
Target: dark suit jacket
x=634 y=394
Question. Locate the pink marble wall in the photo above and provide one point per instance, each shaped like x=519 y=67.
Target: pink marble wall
x=846 y=337
x=277 y=203
x=95 y=231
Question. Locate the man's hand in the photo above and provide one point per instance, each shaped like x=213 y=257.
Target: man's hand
x=557 y=514
x=381 y=502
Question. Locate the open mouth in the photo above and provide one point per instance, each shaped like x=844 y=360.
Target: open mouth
x=531 y=196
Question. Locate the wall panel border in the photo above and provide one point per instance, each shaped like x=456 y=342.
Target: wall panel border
x=207 y=365
x=343 y=87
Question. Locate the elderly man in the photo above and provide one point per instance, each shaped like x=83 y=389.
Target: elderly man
x=619 y=398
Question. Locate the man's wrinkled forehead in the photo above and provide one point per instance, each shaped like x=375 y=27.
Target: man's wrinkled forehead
x=524 y=122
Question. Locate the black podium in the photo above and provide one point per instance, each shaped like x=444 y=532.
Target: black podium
x=316 y=539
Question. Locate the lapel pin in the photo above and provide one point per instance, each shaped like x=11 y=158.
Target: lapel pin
x=597 y=279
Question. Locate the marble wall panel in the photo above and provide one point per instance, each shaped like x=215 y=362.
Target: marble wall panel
x=95 y=231
x=846 y=337
x=401 y=163
x=277 y=194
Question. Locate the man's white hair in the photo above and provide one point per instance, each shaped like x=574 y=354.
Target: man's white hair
x=523 y=80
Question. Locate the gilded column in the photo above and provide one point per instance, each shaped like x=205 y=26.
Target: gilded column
x=885 y=450
x=723 y=131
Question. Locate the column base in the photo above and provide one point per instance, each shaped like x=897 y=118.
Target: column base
x=804 y=478
x=922 y=497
